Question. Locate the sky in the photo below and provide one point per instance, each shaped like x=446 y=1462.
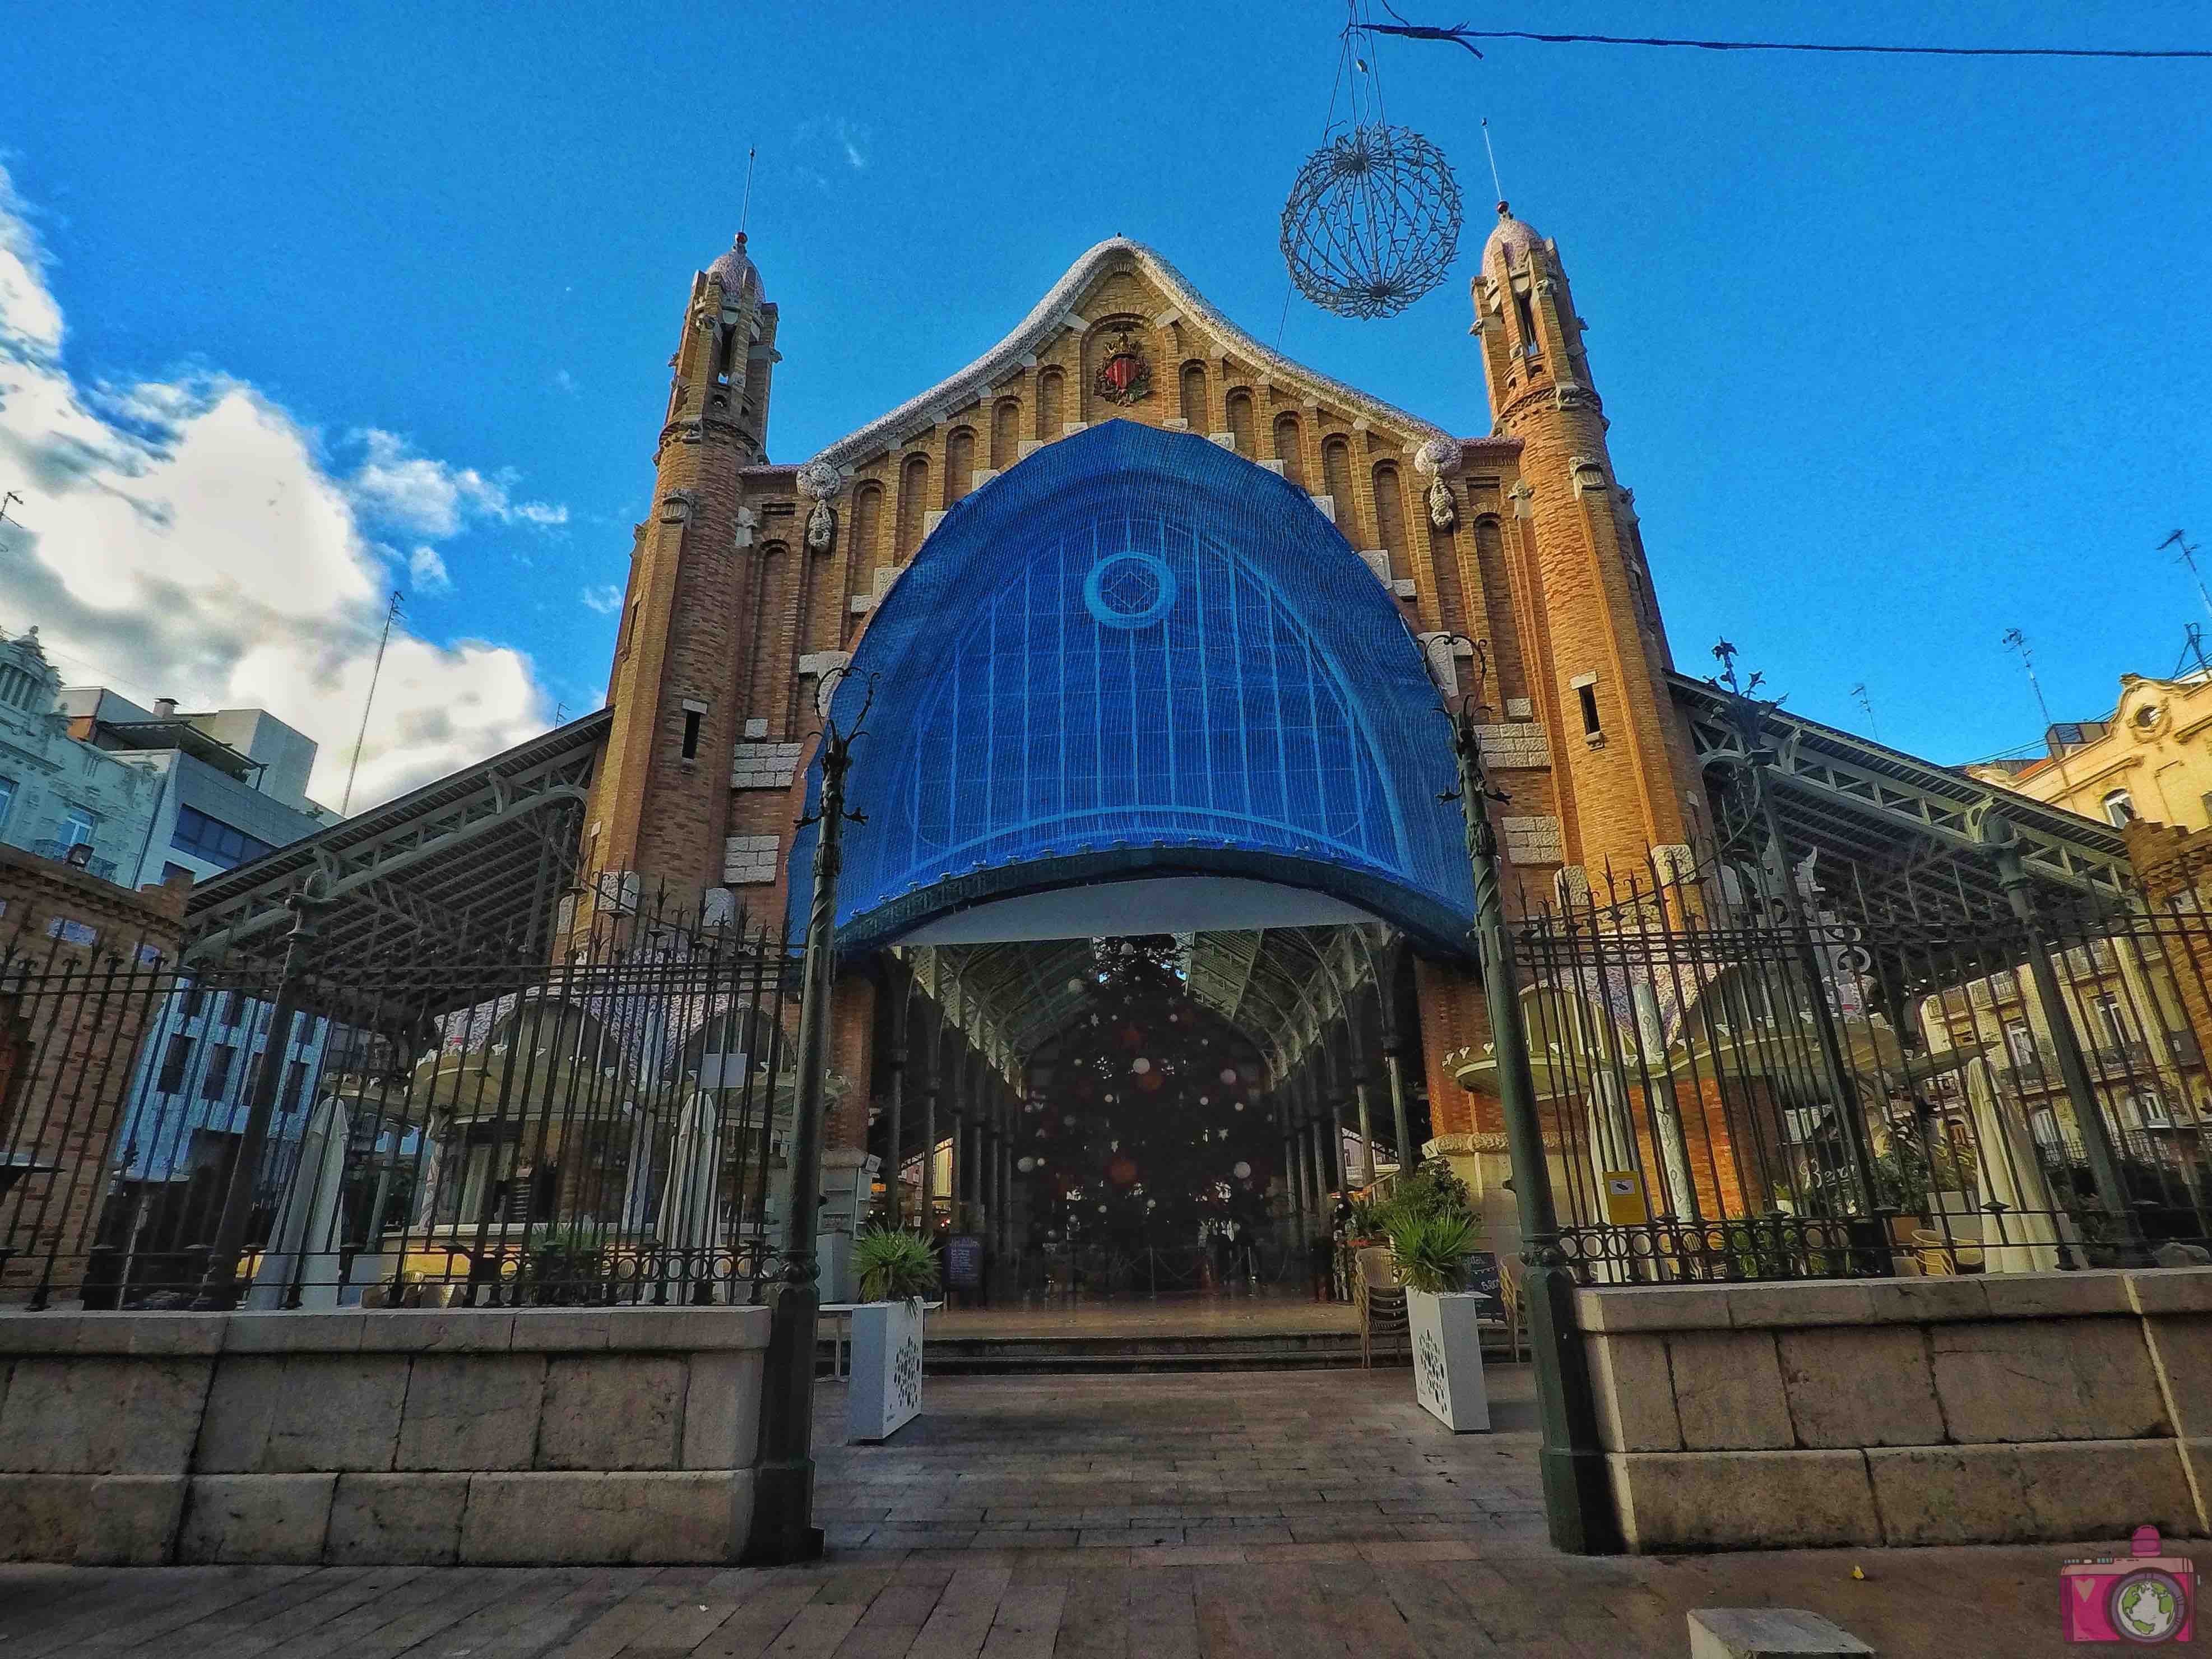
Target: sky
x=303 y=306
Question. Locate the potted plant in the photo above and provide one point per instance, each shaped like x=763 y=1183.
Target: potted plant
x=1433 y=1248
x=896 y=1269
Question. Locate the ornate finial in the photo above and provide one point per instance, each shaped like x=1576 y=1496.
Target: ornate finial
x=1505 y=210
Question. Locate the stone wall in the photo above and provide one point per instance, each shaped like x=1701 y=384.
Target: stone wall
x=481 y=1438
x=2005 y=1408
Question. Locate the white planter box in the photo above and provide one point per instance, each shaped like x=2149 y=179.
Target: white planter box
x=1447 y=1359
x=886 y=1393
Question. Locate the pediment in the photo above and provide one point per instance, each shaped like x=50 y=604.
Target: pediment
x=1114 y=281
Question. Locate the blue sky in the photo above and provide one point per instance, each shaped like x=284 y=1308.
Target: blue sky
x=1898 y=354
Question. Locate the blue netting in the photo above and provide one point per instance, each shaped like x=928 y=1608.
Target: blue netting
x=1137 y=651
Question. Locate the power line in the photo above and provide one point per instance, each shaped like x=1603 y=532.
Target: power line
x=1460 y=34
x=391 y=616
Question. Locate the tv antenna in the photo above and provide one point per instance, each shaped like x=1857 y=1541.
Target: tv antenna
x=1493 y=155
x=391 y=616
x=1866 y=707
x=745 y=213
x=2017 y=642
x=2189 y=558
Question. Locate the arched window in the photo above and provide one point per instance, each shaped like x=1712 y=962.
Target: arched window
x=2119 y=809
x=868 y=525
x=1052 y=404
x=1289 y=451
x=1193 y=397
x=1006 y=434
x=1390 y=515
x=1336 y=473
x=1241 y=429
x=913 y=503
x=959 y=463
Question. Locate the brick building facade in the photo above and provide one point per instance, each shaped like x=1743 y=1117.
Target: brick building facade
x=77 y=948
x=750 y=581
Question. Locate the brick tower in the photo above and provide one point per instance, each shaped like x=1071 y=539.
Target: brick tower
x=661 y=801
x=1598 y=656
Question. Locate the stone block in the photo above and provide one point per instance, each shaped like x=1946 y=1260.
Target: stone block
x=1926 y=1301
x=1635 y=1393
x=1950 y=1495
x=2171 y=1290
x=1818 y=1302
x=103 y=1415
x=1769 y=1633
x=147 y=1332
x=256 y=1518
x=2181 y=1355
x=460 y=1330
x=1728 y=1390
x=2055 y=1379
x=1655 y=1307
x=2197 y=1464
x=611 y=1412
x=2056 y=1295
x=93 y=1520
x=2092 y=1489
x=646 y=1330
x=559 y=1330
x=472 y=1411
x=1860 y=1387
x=279 y=1413
x=294 y=1333
x=1743 y=1500
x=394 y=1520
x=517 y=1520
x=721 y=1410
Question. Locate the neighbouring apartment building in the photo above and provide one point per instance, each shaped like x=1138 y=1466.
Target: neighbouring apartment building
x=2148 y=759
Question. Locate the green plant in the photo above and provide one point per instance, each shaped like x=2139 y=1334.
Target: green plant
x=566 y=1269
x=1366 y=1220
x=894 y=1266
x=1430 y=1190
x=1432 y=1249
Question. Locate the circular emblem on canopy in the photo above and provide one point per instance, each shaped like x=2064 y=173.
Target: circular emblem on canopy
x=1129 y=590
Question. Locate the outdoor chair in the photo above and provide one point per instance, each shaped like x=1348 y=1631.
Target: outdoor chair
x=1938 y=1259
x=1381 y=1301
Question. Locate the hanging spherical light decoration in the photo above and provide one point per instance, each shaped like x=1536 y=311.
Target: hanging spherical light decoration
x=1372 y=221
x=1242 y=1171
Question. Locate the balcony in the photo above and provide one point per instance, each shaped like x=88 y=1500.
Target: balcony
x=60 y=851
x=2182 y=1045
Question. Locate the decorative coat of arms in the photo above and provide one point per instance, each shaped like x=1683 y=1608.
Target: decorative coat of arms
x=1126 y=376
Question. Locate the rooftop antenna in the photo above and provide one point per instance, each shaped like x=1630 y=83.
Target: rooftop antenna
x=2192 y=644
x=1493 y=155
x=2189 y=558
x=745 y=213
x=10 y=496
x=2016 y=641
x=1866 y=707
x=391 y=616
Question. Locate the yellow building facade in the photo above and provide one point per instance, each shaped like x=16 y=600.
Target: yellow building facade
x=2150 y=759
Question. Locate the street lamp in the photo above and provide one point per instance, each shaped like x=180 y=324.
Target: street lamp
x=1577 y=1493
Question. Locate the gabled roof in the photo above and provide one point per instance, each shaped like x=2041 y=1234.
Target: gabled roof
x=1056 y=311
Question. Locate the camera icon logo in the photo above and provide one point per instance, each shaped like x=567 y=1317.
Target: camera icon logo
x=2143 y=1597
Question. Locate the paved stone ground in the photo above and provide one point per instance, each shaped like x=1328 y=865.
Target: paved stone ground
x=1154 y=1518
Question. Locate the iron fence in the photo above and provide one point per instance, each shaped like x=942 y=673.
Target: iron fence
x=601 y=1118
x=1732 y=1088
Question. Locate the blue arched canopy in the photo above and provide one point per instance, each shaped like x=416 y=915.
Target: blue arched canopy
x=1136 y=655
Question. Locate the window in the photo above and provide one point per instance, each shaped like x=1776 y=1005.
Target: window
x=2042 y=1124
x=216 y=1078
x=2022 y=1042
x=211 y=839
x=296 y=1079
x=1586 y=693
x=174 y=1065
x=77 y=828
x=691 y=718
x=1291 y=455
x=2112 y=1021
x=2119 y=809
x=1527 y=315
x=959 y=464
x=1241 y=435
x=1193 y=396
x=2150 y=1106
x=7 y=797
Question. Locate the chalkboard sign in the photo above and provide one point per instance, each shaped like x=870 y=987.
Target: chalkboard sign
x=1482 y=1280
x=964 y=1262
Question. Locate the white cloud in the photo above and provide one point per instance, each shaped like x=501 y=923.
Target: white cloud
x=840 y=136
x=396 y=487
x=429 y=571
x=186 y=538
x=606 y=600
